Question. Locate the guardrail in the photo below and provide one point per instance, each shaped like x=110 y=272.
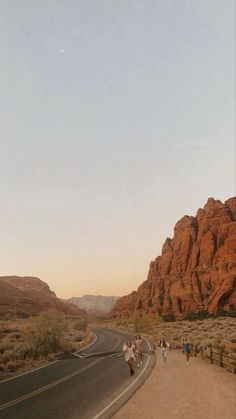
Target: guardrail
x=220 y=359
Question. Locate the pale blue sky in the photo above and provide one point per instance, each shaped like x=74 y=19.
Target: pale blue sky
x=117 y=117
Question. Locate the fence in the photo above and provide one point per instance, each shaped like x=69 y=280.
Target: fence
x=220 y=359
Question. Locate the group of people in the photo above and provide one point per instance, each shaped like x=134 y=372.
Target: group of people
x=133 y=352
x=163 y=345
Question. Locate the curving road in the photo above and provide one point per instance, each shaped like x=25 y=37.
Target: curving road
x=91 y=384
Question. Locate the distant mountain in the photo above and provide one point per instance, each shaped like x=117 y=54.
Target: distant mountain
x=27 y=296
x=196 y=270
x=94 y=304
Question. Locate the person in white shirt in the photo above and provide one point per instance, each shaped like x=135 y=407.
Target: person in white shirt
x=163 y=345
x=128 y=349
x=138 y=350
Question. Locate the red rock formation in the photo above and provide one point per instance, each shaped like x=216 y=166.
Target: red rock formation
x=125 y=305
x=197 y=268
x=26 y=296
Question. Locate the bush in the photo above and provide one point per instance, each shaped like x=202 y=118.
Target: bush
x=25 y=349
x=232 y=347
x=14 y=365
x=198 y=315
x=15 y=335
x=224 y=313
x=5 y=329
x=9 y=356
x=47 y=331
x=5 y=346
x=169 y=318
x=233 y=338
x=81 y=324
x=143 y=324
x=79 y=337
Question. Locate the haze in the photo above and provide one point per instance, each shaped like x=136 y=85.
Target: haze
x=117 y=118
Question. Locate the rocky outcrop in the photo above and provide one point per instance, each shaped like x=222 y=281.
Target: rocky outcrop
x=27 y=296
x=197 y=268
x=94 y=304
x=125 y=305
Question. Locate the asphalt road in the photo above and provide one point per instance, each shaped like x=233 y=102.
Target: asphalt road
x=90 y=385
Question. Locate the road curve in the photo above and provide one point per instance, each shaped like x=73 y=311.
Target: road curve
x=91 y=384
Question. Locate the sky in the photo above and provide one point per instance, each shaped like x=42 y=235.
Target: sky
x=116 y=119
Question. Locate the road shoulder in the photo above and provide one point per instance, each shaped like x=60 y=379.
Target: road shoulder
x=181 y=391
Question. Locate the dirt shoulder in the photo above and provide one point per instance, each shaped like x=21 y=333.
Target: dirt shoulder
x=181 y=391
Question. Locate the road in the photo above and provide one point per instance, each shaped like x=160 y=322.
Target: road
x=89 y=385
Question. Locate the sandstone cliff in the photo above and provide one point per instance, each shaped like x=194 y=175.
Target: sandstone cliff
x=26 y=296
x=196 y=270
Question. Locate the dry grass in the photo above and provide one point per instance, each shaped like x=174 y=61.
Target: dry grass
x=218 y=334
x=29 y=343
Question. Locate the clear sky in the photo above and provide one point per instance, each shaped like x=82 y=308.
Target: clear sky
x=117 y=117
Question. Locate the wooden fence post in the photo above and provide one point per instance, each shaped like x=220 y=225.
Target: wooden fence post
x=211 y=356
x=221 y=359
x=201 y=351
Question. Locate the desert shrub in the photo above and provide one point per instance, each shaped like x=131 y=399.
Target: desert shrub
x=47 y=330
x=5 y=329
x=143 y=324
x=233 y=338
x=169 y=318
x=224 y=313
x=232 y=347
x=175 y=337
x=9 y=355
x=5 y=345
x=25 y=349
x=205 y=343
x=79 y=337
x=198 y=315
x=15 y=335
x=81 y=323
x=14 y=365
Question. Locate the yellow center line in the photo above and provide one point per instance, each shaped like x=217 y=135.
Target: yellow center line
x=55 y=383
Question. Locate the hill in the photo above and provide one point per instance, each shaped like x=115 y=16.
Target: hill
x=94 y=304
x=27 y=296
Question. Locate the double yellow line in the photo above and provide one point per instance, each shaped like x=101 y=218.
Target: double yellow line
x=55 y=383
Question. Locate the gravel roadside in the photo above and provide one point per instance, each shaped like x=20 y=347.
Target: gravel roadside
x=181 y=391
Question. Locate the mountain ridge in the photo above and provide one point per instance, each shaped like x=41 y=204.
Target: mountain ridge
x=29 y=296
x=94 y=304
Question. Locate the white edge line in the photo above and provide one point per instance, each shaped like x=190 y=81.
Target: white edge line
x=90 y=344
x=123 y=392
x=150 y=348
x=47 y=365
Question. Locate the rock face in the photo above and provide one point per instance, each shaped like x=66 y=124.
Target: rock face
x=26 y=296
x=197 y=268
x=94 y=304
x=126 y=304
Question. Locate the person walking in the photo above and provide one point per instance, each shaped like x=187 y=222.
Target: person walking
x=138 y=350
x=128 y=349
x=186 y=349
x=163 y=345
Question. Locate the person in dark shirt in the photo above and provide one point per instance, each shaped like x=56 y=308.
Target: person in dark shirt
x=186 y=349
